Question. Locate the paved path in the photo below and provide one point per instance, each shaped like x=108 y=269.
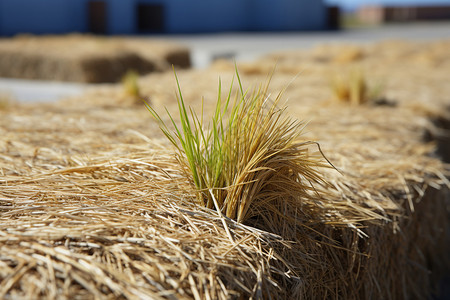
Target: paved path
x=247 y=46
x=241 y=46
x=37 y=90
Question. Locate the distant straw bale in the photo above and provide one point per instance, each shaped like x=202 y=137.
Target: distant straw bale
x=93 y=203
x=84 y=58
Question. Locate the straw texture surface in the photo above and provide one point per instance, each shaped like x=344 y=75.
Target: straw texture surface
x=94 y=205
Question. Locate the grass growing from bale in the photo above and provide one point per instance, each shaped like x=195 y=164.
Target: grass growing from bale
x=353 y=88
x=130 y=85
x=248 y=160
x=6 y=101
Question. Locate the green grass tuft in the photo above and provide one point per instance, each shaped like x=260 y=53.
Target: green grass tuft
x=248 y=159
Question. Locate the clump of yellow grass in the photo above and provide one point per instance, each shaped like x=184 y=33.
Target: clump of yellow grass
x=6 y=101
x=130 y=87
x=249 y=160
x=353 y=88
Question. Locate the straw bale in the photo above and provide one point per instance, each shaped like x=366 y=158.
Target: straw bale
x=84 y=58
x=94 y=204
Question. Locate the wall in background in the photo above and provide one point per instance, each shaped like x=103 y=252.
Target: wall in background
x=159 y=16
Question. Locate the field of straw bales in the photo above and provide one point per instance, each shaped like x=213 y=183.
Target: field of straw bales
x=94 y=203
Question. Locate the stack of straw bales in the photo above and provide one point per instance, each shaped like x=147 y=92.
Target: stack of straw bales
x=84 y=58
x=93 y=203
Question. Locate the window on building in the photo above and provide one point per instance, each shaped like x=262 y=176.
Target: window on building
x=150 y=17
x=97 y=17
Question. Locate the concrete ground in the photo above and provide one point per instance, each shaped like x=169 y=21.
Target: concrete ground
x=39 y=90
x=242 y=47
x=248 y=46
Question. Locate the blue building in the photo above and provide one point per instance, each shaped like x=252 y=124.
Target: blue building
x=159 y=16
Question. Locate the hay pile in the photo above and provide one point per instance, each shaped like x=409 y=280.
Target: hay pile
x=84 y=58
x=94 y=204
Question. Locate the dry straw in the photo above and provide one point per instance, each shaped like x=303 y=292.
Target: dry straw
x=94 y=206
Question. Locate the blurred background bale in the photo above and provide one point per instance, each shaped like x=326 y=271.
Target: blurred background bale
x=85 y=58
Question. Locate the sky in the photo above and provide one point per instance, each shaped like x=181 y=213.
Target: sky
x=349 y=4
